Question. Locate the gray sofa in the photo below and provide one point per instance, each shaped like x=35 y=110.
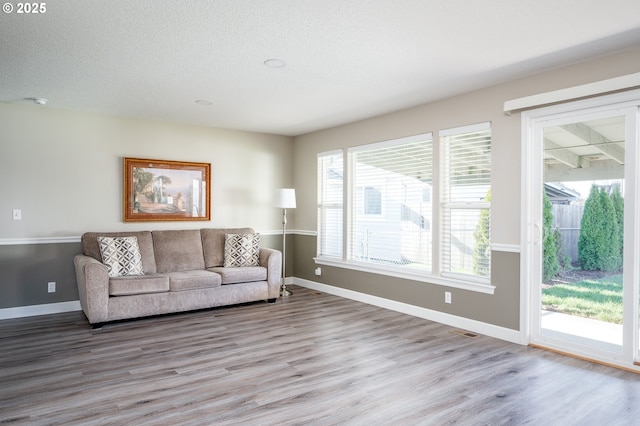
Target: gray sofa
x=183 y=270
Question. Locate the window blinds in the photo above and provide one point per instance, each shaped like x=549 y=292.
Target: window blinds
x=330 y=204
x=466 y=202
x=390 y=218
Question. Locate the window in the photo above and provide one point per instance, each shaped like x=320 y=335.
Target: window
x=390 y=219
x=466 y=200
x=330 y=212
x=379 y=209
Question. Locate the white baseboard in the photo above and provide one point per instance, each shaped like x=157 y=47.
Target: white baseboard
x=416 y=311
x=35 y=310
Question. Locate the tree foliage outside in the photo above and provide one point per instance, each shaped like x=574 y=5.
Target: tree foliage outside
x=599 y=246
x=482 y=248
x=550 y=266
x=563 y=257
x=618 y=206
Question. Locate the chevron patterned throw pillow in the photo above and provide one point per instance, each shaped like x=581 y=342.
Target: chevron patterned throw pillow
x=241 y=250
x=121 y=255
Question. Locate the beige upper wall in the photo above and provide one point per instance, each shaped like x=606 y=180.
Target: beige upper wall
x=64 y=170
x=470 y=108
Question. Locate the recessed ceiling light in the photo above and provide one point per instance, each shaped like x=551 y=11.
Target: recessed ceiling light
x=39 y=101
x=204 y=102
x=275 y=63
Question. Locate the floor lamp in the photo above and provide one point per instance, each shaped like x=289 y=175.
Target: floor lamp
x=285 y=199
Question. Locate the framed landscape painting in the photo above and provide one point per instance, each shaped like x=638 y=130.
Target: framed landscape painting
x=161 y=190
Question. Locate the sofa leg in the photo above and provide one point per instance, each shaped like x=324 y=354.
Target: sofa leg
x=271 y=300
x=97 y=326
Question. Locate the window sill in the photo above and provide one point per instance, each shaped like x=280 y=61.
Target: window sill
x=452 y=281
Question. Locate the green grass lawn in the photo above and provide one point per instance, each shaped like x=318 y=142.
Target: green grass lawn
x=599 y=299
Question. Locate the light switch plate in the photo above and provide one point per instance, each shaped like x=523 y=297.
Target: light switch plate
x=17 y=214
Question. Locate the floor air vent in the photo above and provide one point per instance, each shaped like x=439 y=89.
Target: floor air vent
x=463 y=333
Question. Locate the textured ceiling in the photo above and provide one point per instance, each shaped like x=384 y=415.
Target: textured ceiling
x=346 y=60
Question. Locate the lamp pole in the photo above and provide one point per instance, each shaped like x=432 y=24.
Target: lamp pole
x=284 y=292
x=285 y=198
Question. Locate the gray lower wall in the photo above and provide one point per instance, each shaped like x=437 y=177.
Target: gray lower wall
x=500 y=309
x=26 y=269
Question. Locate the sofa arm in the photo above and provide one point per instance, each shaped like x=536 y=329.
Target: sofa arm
x=93 y=288
x=272 y=260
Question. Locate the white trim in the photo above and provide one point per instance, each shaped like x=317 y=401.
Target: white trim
x=422 y=137
x=511 y=248
x=332 y=152
x=76 y=239
x=479 y=287
x=35 y=310
x=306 y=233
x=461 y=130
x=290 y=232
x=624 y=82
x=38 y=240
x=416 y=311
x=271 y=232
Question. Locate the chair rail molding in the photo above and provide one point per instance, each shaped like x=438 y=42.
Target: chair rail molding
x=38 y=240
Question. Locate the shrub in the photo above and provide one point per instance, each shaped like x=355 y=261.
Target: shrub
x=610 y=258
x=550 y=266
x=563 y=258
x=599 y=244
x=482 y=248
x=618 y=206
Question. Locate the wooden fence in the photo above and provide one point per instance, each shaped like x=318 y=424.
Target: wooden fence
x=567 y=217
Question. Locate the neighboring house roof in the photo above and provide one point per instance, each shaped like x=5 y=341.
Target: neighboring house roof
x=560 y=194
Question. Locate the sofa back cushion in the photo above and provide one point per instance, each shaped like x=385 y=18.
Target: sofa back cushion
x=90 y=246
x=213 y=244
x=178 y=250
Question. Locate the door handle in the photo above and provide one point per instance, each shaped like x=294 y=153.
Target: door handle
x=537 y=234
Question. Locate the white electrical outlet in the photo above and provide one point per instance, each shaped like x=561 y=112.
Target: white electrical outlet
x=447 y=297
x=17 y=214
x=318 y=271
x=51 y=287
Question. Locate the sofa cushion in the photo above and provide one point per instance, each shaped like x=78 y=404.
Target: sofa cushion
x=241 y=250
x=138 y=284
x=189 y=280
x=121 y=256
x=178 y=250
x=213 y=243
x=241 y=275
x=90 y=246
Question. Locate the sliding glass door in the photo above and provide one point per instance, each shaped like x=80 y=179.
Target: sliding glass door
x=582 y=228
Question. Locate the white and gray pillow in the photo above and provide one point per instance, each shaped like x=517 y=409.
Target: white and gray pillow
x=121 y=256
x=241 y=250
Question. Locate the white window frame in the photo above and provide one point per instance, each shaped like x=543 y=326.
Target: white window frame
x=433 y=276
x=354 y=216
x=324 y=206
x=448 y=206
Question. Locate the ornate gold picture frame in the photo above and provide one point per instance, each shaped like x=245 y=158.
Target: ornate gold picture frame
x=161 y=190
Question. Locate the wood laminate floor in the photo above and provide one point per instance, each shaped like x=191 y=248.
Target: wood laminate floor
x=310 y=359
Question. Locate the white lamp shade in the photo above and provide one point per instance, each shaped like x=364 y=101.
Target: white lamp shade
x=285 y=198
